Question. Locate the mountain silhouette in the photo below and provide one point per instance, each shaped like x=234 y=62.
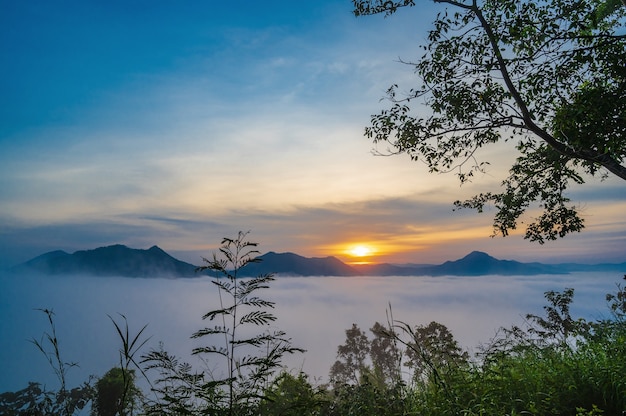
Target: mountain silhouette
x=296 y=265
x=478 y=263
x=119 y=260
x=386 y=269
x=115 y=260
x=475 y=263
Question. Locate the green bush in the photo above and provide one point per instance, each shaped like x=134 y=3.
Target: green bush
x=557 y=365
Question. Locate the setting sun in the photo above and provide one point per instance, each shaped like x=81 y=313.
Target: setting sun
x=360 y=251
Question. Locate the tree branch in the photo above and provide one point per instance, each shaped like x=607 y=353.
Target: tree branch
x=589 y=155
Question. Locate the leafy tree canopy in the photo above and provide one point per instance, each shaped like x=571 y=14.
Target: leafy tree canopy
x=116 y=393
x=549 y=77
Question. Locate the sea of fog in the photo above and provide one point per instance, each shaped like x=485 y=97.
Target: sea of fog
x=314 y=311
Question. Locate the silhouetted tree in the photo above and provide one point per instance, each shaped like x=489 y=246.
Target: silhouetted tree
x=352 y=357
x=549 y=76
x=433 y=348
x=116 y=393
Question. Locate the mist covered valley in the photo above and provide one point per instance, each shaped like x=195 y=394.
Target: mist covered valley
x=313 y=311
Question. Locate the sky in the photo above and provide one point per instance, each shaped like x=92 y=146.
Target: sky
x=177 y=124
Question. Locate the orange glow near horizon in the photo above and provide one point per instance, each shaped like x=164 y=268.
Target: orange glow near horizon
x=360 y=253
x=398 y=249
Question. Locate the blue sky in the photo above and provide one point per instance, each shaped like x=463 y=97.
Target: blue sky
x=177 y=124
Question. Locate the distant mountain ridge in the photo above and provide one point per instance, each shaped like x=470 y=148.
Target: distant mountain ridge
x=478 y=263
x=296 y=265
x=474 y=264
x=119 y=260
x=115 y=260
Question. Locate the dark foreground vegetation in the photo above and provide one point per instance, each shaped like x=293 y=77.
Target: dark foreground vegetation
x=554 y=365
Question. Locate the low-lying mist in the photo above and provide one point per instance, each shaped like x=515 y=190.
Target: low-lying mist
x=314 y=311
